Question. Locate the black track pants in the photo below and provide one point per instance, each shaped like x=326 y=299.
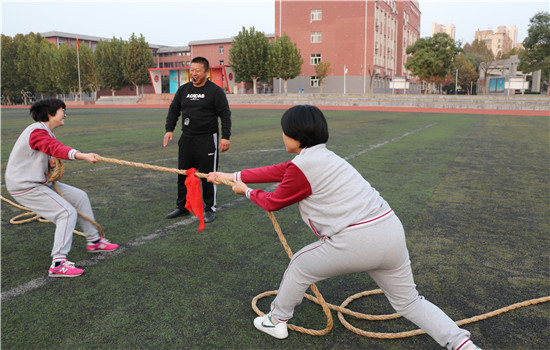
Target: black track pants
x=201 y=153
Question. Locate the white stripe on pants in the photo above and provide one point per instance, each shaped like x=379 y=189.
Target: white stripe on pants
x=378 y=248
x=44 y=201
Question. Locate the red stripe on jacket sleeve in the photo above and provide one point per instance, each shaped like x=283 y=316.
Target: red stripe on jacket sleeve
x=42 y=141
x=293 y=188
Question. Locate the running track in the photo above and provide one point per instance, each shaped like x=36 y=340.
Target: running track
x=341 y=108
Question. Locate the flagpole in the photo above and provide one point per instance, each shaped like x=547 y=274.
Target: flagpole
x=78 y=64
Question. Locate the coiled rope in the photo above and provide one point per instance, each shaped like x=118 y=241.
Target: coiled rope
x=318 y=298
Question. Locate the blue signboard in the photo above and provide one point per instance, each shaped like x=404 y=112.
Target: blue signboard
x=174 y=81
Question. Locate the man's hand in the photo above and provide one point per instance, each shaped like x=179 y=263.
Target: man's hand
x=224 y=145
x=167 y=137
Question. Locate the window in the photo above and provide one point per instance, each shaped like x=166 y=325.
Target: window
x=314 y=59
x=315 y=37
x=222 y=63
x=316 y=15
x=221 y=49
x=314 y=82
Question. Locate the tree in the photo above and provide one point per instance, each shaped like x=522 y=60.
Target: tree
x=11 y=84
x=27 y=62
x=537 y=47
x=505 y=55
x=67 y=70
x=467 y=74
x=108 y=62
x=322 y=70
x=478 y=52
x=248 y=56
x=137 y=58
x=432 y=58
x=284 y=59
x=88 y=72
x=46 y=82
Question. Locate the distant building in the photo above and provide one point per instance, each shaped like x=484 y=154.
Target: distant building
x=449 y=29
x=498 y=75
x=501 y=41
x=365 y=42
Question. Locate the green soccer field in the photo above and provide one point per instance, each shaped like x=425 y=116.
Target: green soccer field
x=471 y=190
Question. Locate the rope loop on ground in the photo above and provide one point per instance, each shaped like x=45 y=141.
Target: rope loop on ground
x=318 y=298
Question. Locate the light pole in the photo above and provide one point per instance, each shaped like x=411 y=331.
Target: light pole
x=345 y=72
x=456 y=82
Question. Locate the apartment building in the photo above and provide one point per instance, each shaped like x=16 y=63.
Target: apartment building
x=364 y=41
x=449 y=29
x=500 y=41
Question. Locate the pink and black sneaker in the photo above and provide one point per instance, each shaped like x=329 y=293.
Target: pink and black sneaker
x=103 y=245
x=65 y=268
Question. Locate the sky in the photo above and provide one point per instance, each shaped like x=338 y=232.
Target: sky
x=177 y=22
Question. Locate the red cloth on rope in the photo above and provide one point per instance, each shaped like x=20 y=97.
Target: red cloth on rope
x=194 y=196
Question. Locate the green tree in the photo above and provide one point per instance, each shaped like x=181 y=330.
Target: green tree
x=46 y=82
x=137 y=58
x=537 y=47
x=11 y=84
x=432 y=58
x=478 y=52
x=248 y=56
x=108 y=62
x=284 y=59
x=27 y=62
x=322 y=71
x=67 y=70
x=513 y=52
x=467 y=74
x=88 y=73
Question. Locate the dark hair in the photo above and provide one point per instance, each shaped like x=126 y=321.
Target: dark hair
x=306 y=124
x=202 y=60
x=41 y=109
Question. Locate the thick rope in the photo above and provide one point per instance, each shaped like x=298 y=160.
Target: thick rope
x=55 y=174
x=318 y=299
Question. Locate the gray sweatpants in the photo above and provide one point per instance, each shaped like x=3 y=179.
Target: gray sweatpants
x=44 y=201
x=378 y=248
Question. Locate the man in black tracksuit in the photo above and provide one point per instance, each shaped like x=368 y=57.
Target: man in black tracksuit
x=200 y=103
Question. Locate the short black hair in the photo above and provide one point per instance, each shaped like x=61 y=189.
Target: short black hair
x=201 y=60
x=306 y=124
x=41 y=109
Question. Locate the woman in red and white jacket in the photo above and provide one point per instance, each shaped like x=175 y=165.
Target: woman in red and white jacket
x=27 y=182
x=357 y=228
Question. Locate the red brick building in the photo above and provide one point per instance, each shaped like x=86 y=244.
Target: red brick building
x=364 y=41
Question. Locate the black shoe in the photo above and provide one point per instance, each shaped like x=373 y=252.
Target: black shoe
x=209 y=216
x=178 y=212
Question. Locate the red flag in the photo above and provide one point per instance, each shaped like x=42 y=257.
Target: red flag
x=77 y=44
x=194 y=197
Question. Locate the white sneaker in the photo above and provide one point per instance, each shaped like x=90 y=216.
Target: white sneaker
x=468 y=345
x=264 y=324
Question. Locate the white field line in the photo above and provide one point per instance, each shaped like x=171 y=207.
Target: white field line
x=42 y=281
